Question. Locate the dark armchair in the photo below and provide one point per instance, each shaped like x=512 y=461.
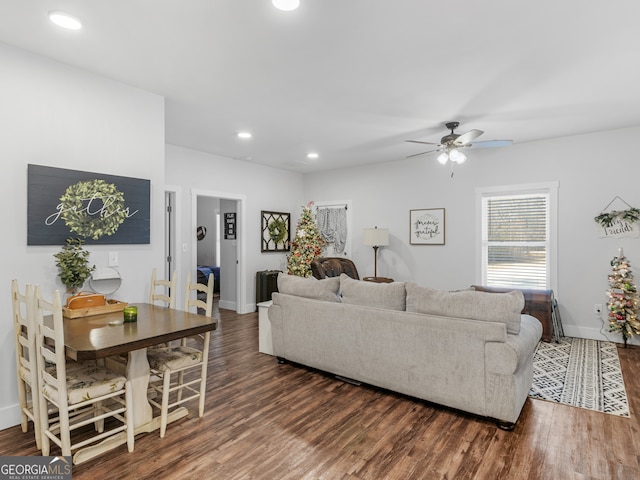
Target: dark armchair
x=323 y=267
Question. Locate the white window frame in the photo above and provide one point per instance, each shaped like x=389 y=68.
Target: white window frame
x=550 y=188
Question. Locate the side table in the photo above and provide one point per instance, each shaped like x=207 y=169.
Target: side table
x=378 y=279
x=264 y=328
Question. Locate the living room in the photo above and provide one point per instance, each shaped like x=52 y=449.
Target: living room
x=59 y=115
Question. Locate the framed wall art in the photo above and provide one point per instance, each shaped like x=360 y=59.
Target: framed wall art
x=426 y=226
x=98 y=208
x=230 y=226
x=275 y=231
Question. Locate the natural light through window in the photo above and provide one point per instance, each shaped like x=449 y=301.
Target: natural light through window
x=518 y=240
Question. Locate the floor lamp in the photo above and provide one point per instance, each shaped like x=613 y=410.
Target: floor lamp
x=376 y=237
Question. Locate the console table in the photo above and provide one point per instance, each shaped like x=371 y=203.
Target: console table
x=539 y=304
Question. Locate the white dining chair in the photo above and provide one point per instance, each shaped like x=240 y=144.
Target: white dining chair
x=27 y=370
x=170 y=365
x=196 y=301
x=163 y=290
x=84 y=394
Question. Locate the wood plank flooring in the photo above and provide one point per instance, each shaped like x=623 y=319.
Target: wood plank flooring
x=270 y=421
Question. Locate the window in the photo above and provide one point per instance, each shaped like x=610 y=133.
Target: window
x=518 y=233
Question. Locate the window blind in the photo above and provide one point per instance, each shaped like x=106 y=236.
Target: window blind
x=516 y=240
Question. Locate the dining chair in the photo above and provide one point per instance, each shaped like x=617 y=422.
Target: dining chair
x=84 y=393
x=167 y=293
x=179 y=361
x=199 y=288
x=27 y=370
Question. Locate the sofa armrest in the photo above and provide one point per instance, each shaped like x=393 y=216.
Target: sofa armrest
x=508 y=357
x=275 y=319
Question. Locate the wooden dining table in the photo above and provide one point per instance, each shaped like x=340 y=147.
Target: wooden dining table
x=97 y=337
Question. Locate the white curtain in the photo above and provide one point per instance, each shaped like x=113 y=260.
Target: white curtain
x=332 y=225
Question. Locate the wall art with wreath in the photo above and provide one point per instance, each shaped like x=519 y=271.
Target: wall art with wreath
x=276 y=227
x=96 y=208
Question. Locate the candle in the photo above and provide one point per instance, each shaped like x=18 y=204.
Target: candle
x=130 y=314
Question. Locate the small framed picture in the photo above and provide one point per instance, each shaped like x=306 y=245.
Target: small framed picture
x=426 y=226
x=230 y=226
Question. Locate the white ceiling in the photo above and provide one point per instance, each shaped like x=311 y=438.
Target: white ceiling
x=353 y=79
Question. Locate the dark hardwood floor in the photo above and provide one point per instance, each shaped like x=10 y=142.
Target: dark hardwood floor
x=270 y=421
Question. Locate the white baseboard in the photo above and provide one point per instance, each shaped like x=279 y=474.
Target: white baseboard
x=227 y=305
x=10 y=416
x=596 y=334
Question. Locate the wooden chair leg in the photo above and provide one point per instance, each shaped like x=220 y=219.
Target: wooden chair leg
x=165 y=403
x=129 y=416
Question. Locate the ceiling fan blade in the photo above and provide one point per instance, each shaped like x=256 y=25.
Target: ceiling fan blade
x=468 y=137
x=491 y=144
x=423 y=153
x=424 y=143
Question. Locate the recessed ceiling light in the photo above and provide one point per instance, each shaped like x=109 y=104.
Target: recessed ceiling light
x=65 y=20
x=286 y=5
x=244 y=135
x=312 y=156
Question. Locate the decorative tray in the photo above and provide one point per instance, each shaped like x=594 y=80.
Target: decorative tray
x=111 y=306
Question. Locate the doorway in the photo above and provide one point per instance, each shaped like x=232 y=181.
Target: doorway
x=219 y=248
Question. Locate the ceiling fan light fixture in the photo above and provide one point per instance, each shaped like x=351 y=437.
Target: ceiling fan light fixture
x=286 y=5
x=457 y=156
x=443 y=158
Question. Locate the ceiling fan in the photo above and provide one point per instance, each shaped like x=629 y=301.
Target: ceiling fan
x=451 y=145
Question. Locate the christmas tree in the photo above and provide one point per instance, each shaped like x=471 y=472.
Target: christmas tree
x=306 y=245
x=623 y=299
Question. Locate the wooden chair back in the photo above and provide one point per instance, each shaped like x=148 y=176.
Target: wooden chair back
x=24 y=324
x=163 y=290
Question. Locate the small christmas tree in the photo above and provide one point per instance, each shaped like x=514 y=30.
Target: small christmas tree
x=306 y=245
x=623 y=299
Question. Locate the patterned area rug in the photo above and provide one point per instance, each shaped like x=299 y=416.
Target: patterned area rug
x=581 y=373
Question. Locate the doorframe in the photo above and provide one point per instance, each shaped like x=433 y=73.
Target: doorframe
x=176 y=192
x=241 y=251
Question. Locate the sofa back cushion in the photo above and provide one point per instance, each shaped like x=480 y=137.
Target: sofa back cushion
x=491 y=307
x=381 y=295
x=326 y=289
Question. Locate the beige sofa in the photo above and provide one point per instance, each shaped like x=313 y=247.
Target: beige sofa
x=467 y=350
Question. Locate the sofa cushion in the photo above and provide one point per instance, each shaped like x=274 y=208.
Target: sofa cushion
x=382 y=295
x=491 y=307
x=326 y=289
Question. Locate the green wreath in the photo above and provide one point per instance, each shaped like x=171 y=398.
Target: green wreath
x=93 y=208
x=606 y=219
x=277 y=230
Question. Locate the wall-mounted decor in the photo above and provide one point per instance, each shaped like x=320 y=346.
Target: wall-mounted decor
x=426 y=226
x=98 y=208
x=230 y=226
x=275 y=231
x=619 y=223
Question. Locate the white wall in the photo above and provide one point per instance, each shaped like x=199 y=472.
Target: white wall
x=591 y=171
x=263 y=188
x=229 y=261
x=207 y=210
x=58 y=116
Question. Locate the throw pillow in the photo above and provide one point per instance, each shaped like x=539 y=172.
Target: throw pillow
x=325 y=289
x=491 y=307
x=382 y=295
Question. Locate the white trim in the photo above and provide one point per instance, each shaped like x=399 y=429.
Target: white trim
x=548 y=187
x=241 y=287
x=177 y=260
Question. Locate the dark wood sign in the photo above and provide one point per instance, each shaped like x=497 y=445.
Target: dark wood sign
x=229 y=226
x=98 y=208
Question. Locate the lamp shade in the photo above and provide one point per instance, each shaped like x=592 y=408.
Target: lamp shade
x=376 y=237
